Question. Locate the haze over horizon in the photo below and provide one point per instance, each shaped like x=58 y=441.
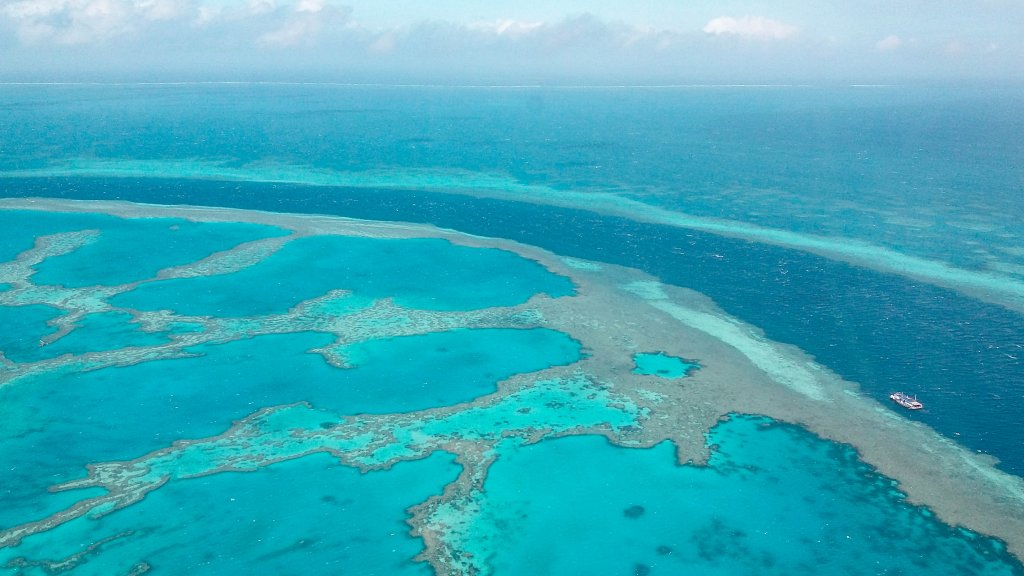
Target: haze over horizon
x=456 y=41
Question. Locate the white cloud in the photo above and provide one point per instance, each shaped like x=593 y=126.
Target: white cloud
x=27 y=9
x=303 y=36
x=258 y=7
x=88 y=22
x=506 y=27
x=206 y=14
x=291 y=33
x=72 y=21
x=304 y=24
x=310 y=6
x=889 y=43
x=750 y=27
x=579 y=36
x=162 y=9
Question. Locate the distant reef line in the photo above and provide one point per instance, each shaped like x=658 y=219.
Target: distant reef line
x=991 y=287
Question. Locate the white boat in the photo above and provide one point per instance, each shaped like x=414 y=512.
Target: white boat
x=908 y=402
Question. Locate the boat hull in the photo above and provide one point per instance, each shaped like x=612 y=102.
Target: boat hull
x=908 y=402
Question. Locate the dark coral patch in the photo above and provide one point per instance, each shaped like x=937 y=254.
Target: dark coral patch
x=634 y=511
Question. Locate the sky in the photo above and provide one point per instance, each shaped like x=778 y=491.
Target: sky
x=521 y=42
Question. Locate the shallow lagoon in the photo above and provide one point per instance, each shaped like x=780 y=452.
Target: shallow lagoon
x=772 y=500
x=20 y=228
x=121 y=413
x=125 y=250
x=23 y=327
x=306 y=516
x=662 y=365
x=419 y=273
x=97 y=332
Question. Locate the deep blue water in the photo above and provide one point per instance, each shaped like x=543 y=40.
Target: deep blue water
x=961 y=356
x=837 y=162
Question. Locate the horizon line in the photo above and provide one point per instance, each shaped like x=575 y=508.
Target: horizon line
x=438 y=85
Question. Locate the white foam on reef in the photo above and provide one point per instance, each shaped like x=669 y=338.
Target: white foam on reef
x=989 y=286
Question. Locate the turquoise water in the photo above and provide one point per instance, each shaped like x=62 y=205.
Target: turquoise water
x=23 y=326
x=662 y=365
x=126 y=250
x=930 y=173
x=428 y=274
x=22 y=505
x=445 y=368
x=772 y=500
x=19 y=228
x=95 y=333
x=548 y=404
x=309 y=516
x=121 y=413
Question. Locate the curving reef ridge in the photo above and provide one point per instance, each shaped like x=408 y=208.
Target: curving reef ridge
x=294 y=391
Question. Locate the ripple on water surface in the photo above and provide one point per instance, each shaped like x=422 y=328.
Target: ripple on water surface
x=773 y=500
x=306 y=516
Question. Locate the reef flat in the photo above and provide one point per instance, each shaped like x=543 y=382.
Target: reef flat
x=557 y=356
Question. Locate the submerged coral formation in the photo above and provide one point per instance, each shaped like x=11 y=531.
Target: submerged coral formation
x=379 y=373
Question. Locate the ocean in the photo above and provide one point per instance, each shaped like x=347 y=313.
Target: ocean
x=875 y=234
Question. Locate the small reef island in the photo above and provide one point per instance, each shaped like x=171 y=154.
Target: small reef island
x=222 y=391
